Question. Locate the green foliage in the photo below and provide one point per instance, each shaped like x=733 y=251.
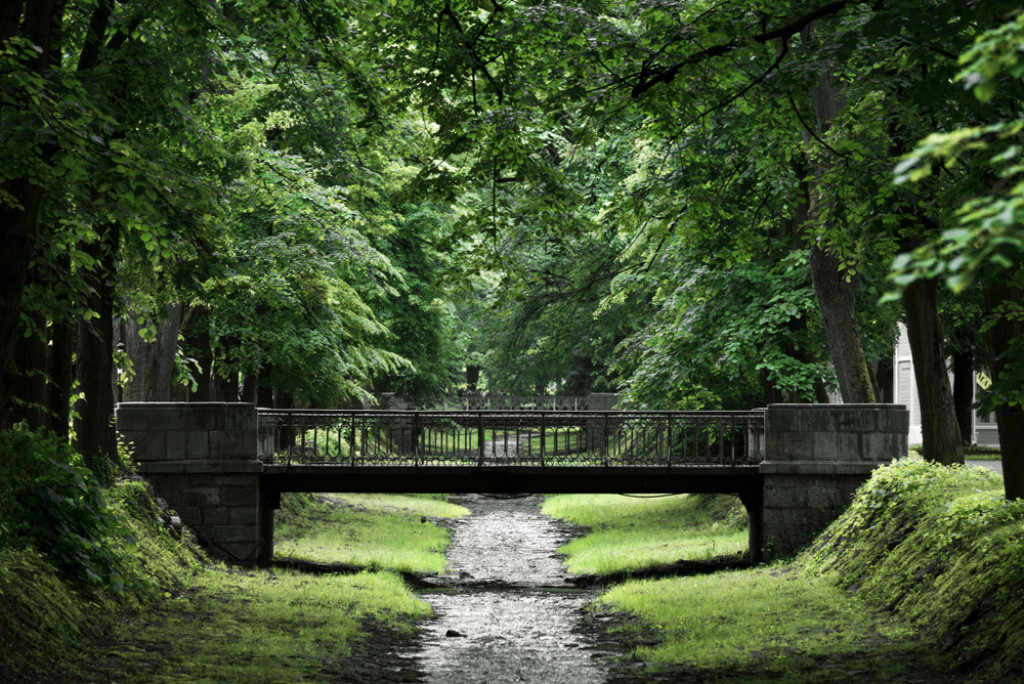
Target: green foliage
x=74 y=559
x=719 y=331
x=49 y=501
x=42 y=619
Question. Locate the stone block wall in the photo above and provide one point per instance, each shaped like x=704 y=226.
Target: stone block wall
x=201 y=459
x=815 y=458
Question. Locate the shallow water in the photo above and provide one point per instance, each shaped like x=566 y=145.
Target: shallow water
x=504 y=614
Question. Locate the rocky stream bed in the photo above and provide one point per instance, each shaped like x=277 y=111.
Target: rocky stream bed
x=506 y=611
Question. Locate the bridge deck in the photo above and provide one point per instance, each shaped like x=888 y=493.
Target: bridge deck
x=513 y=479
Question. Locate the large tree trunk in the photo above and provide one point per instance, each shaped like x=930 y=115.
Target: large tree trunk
x=940 y=433
x=837 y=301
x=62 y=375
x=19 y=214
x=17 y=234
x=225 y=383
x=195 y=331
x=963 y=393
x=153 y=362
x=1002 y=334
x=30 y=389
x=264 y=389
x=94 y=429
x=836 y=294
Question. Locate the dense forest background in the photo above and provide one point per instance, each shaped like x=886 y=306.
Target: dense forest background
x=697 y=204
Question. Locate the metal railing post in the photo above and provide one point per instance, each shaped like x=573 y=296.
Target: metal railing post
x=480 y=439
x=543 y=437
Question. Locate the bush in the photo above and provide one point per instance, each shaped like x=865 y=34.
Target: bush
x=52 y=503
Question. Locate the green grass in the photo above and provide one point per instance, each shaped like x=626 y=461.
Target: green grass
x=629 y=534
x=778 y=623
x=367 y=530
x=260 y=626
x=231 y=625
x=920 y=577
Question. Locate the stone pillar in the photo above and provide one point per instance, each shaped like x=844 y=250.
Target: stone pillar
x=816 y=455
x=201 y=458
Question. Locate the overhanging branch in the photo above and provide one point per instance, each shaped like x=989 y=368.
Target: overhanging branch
x=651 y=76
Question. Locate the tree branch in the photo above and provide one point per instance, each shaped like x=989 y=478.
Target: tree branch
x=651 y=76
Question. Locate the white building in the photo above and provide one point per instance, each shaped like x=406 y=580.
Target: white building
x=983 y=427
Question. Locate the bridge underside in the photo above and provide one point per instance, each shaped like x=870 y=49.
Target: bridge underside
x=740 y=480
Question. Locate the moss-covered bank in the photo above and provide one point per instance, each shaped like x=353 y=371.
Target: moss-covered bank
x=922 y=579
x=94 y=587
x=73 y=556
x=944 y=551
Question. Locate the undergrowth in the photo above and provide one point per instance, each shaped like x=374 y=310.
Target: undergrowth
x=73 y=556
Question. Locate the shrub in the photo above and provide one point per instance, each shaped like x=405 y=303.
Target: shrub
x=52 y=503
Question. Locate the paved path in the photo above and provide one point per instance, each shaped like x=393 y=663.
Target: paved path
x=997 y=466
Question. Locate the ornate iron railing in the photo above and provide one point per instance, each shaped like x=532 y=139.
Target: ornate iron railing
x=530 y=437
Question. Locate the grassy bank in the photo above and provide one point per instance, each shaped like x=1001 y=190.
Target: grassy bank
x=74 y=558
x=373 y=531
x=279 y=625
x=921 y=578
x=255 y=626
x=629 y=534
x=94 y=588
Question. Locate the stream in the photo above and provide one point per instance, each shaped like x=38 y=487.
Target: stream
x=503 y=612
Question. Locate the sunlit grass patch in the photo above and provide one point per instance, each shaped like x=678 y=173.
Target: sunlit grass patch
x=769 y=619
x=375 y=531
x=611 y=551
x=636 y=533
x=258 y=627
x=430 y=505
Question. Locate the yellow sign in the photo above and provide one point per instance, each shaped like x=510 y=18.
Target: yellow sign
x=984 y=382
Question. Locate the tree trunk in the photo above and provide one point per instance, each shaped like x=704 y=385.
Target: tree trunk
x=963 y=392
x=836 y=294
x=153 y=362
x=18 y=227
x=472 y=377
x=195 y=332
x=94 y=429
x=250 y=383
x=940 y=434
x=264 y=389
x=19 y=213
x=30 y=390
x=1002 y=334
x=224 y=385
x=837 y=301
x=62 y=373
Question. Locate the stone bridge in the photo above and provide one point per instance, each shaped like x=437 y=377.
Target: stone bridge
x=224 y=466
